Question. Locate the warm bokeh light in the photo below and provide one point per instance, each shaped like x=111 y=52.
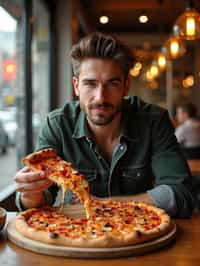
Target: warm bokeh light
x=174 y=47
x=149 y=75
x=104 y=19
x=162 y=61
x=9 y=69
x=188 y=81
x=143 y=19
x=134 y=72
x=154 y=71
x=138 y=66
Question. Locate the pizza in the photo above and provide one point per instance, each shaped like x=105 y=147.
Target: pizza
x=107 y=223
x=112 y=224
x=60 y=172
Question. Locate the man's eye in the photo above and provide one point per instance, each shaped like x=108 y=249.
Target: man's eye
x=90 y=84
x=113 y=84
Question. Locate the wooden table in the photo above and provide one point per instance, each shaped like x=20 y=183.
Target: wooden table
x=185 y=251
x=194 y=166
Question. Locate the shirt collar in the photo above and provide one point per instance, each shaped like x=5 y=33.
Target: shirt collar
x=80 y=129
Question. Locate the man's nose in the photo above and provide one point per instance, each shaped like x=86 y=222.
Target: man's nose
x=100 y=93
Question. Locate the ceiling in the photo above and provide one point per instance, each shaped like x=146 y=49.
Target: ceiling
x=145 y=39
x=123 y=14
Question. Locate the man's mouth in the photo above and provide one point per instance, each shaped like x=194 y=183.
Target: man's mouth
x=101 y=107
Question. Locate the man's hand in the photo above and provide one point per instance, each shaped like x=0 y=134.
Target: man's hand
x=31 y=185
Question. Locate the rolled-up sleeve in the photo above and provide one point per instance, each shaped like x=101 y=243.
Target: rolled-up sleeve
x=164 y=198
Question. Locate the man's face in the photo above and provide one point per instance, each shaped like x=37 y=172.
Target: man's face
x=101 y=87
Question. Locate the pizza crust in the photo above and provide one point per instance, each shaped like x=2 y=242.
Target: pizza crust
x=46 y=153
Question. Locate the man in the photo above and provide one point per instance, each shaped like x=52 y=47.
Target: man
x=188 y=131
x=118 y=143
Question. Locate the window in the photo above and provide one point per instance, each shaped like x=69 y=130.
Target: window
x=14 y=92
x=11 y=85
x=40 y=63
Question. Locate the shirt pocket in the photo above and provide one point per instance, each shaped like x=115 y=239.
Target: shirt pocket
x=135 y=180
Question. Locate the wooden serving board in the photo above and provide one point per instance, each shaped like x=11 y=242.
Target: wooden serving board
x=77 y=252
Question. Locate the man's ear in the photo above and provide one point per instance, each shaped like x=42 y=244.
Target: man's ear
x=127 y=86
x=75 y=85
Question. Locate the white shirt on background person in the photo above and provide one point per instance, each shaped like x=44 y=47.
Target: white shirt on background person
x=188 y=133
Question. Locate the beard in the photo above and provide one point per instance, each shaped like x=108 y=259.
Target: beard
x=102 y=114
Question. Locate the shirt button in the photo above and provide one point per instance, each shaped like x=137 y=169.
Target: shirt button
x=121 y=147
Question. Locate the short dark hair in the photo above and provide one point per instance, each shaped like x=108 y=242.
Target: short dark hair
x=189 y=108
x=102 y=46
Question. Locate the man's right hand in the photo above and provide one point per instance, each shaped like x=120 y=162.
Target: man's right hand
x=31 y=184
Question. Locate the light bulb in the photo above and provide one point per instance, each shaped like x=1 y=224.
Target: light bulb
x=162 y=61
x=143 y=19
x=174 y=48
x=190 y=26
x=104 y=19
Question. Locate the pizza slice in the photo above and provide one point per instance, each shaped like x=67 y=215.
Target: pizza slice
x=60 y=172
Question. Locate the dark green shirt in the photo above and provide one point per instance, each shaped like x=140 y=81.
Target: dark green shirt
x=148 y=157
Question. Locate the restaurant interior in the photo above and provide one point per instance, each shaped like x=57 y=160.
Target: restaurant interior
x=36 y=75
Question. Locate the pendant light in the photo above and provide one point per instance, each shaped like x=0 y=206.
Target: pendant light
x=188 y=24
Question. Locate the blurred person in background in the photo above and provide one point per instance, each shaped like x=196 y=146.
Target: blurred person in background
x=188 y=129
